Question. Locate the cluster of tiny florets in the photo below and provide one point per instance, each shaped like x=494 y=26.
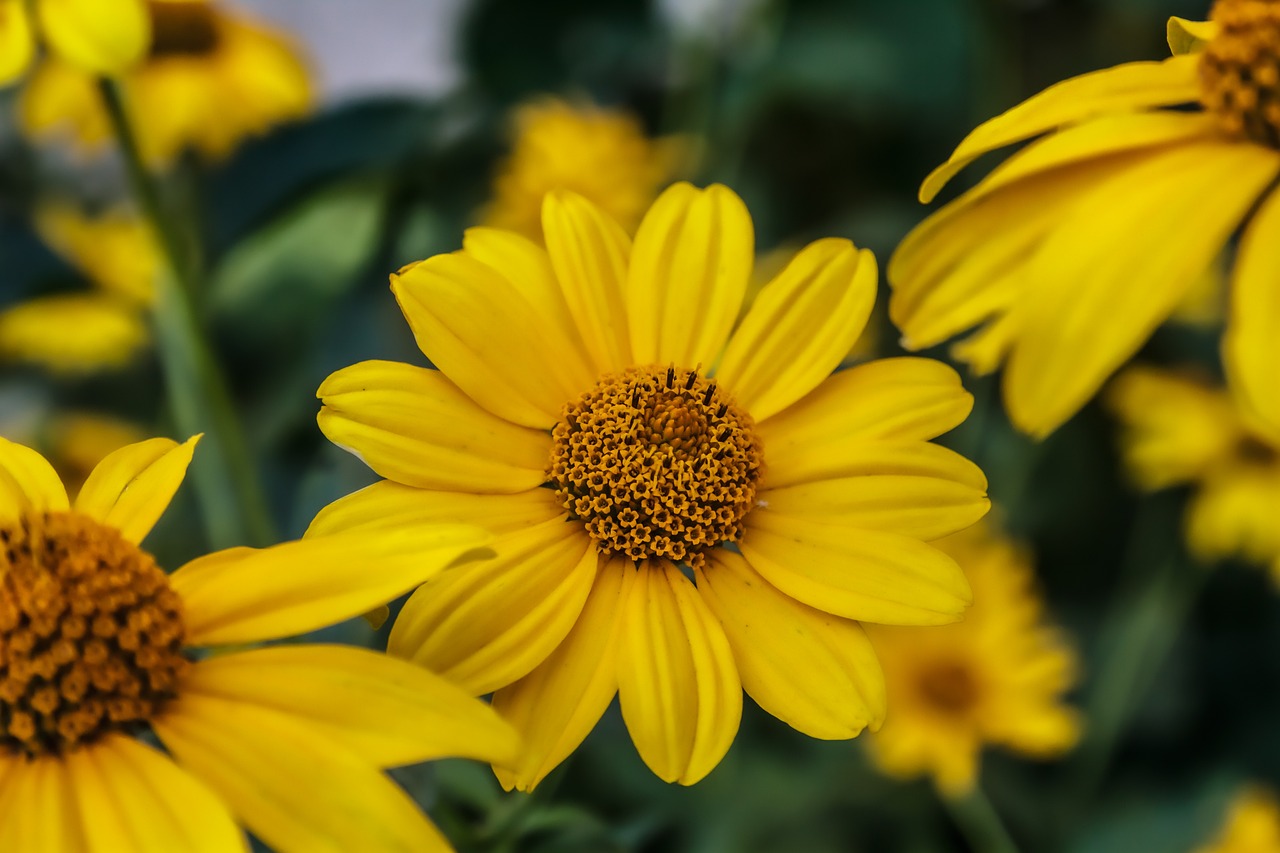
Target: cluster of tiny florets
x=1240 y=69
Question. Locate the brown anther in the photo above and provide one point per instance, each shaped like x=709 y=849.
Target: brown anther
x=1240 y=69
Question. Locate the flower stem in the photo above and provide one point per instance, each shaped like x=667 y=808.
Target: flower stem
x=227 y=487
x=979 y=822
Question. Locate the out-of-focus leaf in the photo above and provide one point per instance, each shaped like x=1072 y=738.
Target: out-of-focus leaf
x=1173 y=825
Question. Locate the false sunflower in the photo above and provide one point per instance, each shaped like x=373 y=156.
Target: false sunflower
x=100 y=658
x=995 y=678
x=98 y=36
x=1071 y=252
x=684 y=509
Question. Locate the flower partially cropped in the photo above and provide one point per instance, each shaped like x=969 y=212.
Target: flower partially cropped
x=1252 y=824
x=997 y=678
x=1179 y=428
x=601 y=154
x=97 y=36
x=211 y=78
x=1066 y=257
x=687 y=505
x=101 y=655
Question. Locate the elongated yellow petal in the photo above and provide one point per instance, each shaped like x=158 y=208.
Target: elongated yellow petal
x=1189 y=36
x=414 y=426
x=678 y=685
x=490 y=624
x=244 y=595
x=868 y=575
x=293 y=786
x=1252 y=345
x=558 y=704
x=589 y=253
x=28 y=483
x=391 y=505
x=814 y=671
x=800 y=327
x=688 y=276
x=17 y=42
x=1133 y=86
x=132 y=797
x=388 y=710
x=37 y=801
x=130 y=489
x=1117 y=266
x=104 y=38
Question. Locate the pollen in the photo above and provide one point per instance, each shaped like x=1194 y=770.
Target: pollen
x=657 y=462
x=1240 y=69
x=90 y=634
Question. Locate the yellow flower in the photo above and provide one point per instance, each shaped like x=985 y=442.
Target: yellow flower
x=1252 y=825
x=995 y=678
x=603 y=155
x=116 y=250
x=1072 y=251
x=597 y=408
x=99 y=646
x=1179 y=429
x=210 y=79
x=72 y=333
x=98 y=36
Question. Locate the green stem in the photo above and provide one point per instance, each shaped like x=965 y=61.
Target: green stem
x=226 y=481
x=979 y=822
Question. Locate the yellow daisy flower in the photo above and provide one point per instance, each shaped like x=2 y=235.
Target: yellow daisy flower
x=600 y=154
x=1252 y=825
x=210 y=79
x=995 y=678
x=596 y=407
x=1180 y=429
x=1072 y=251
x=98 y=36
x=99 y=649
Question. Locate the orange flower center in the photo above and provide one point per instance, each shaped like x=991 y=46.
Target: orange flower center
x=90 y=634
x=1240 y=69
x=949 y=688
x=182 y=29
x=657 y=463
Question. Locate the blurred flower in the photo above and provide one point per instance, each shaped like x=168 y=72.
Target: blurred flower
x=596 y=407
x=995 y=678
x=601 y=154
x=94 y=641
x=76 y=441
x=1252 y=825
x=116 y=251
x=1070 y=253
x=211 y=79
x=97 y=36
x=1179 y=429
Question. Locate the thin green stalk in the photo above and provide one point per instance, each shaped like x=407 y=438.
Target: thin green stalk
x=979 y=822
x=226 y=481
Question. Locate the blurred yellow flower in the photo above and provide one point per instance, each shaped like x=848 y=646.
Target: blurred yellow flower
x=76 y=441
x=116 y=251
x=1072 y=251
x=600 y=406
x=97 y=36
x=1252 y=825
x=97 y=647
x=995 y=678
x=210 y=79
x=601 y=154
x=1180 y=429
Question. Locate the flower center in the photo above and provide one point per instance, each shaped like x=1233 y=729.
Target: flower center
x=1240 y=69
x=182 y=29
x=90 y=634
x=949 y=688
x=657 y=463
x=1254 y=450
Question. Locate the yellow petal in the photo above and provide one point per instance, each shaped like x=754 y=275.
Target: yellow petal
x=1252 y=345
x=868 y=575
x=1189 y=36
x=37 y=801
x=103 y=38
x=389 y=711
x=293 y=786
x=72 y=333
x=555 y=707
x=244 y=595
x=133 y=797
x=800 y=327
x=814 y=671
x=1117 y=266
x=688 y=276
x=389 y=505
x=679 y=689
x=589 y=253
x=486 y=625
x=58 y=100
x=1132 y=86
x=1234 y=514
x=414 y=426
x=28 y=482
x=17 y=42
x=130 y=489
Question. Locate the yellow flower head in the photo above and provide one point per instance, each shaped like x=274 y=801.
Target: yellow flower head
x=599 y=405
x=210 y=79
x=97 y=36
x=98 y=646
x=995 y=678
x=1179 y=429
x=1071 y=252
x=602 y=155
x=1252 y=825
